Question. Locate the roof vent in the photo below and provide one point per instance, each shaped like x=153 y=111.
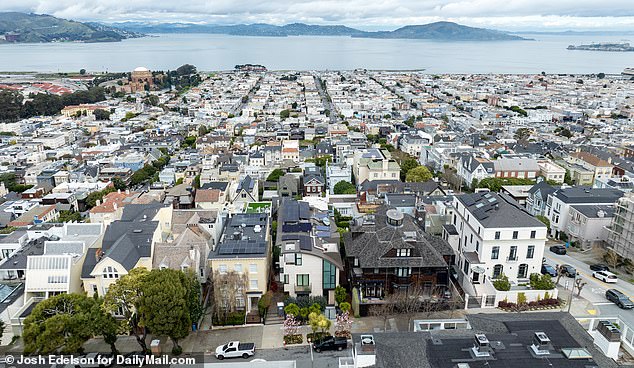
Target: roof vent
x=137 y=231
x=367 y=343
x=541 y=344
x=482 y=347
x=600 y=214
x=257 y=228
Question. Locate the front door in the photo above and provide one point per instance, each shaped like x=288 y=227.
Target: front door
x=254 y=303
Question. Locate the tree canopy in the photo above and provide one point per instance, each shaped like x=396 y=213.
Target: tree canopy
x=275 y=175
x=406 y=165
x=418 y=174
x=344 y=187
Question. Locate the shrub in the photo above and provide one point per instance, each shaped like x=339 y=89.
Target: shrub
x=177 y=350
x=541 y=282
x=502 y=283
x=345 y=307
x=312 y=336
x=340 y=292
x=307 y=301
x=293 y=339
x=232 y=319
x=264 y=303
x=303 y=313
x=521 y=298
x=547 y=295
x=292 y=309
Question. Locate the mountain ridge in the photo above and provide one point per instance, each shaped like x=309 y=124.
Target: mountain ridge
x=19 y=27
x=448 y=31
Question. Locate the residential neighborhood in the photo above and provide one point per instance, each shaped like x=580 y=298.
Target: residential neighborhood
x=360 y=210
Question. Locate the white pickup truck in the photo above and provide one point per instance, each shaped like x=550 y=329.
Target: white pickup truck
x=235 y=349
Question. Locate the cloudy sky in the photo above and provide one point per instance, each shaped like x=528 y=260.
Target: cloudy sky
x=365 y=14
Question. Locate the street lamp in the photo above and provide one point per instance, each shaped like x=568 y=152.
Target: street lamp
x=310 y=347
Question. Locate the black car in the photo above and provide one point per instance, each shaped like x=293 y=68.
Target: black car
x=599 y=267
x=558 y=249
x=567 y=270
x=330 y=343
x=549 y=270
x=618 y=298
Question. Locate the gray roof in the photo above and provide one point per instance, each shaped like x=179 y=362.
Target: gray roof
x=588 y=195
x=371 y=242
x=543 y=188
x=514 y=331
x=127 y=241
x=495 y=210
x=18 y=260
x=244 y=236
x=593 y=210
x=400 y=200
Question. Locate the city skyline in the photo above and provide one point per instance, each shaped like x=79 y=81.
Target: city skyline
x=513 y=15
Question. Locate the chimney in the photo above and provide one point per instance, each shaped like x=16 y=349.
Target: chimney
x=98 y=203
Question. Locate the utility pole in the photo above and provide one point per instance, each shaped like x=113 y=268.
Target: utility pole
x=572 y=290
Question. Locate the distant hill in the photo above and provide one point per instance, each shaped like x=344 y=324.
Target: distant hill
x=24 y=28
x=444 y=31
x=434 y=31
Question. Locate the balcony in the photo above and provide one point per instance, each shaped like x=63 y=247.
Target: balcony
x=303 y=288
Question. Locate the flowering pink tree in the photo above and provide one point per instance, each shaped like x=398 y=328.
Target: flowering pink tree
x=291 y=325
x=343 y=325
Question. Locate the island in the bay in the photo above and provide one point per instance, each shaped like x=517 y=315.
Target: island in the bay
x=606 y=46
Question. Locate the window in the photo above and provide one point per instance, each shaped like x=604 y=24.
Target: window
x=110 y=273
x=513 y=253
x=253 y=284
x=356 y=262
x=497 y=270
x=533 y=234
x=522 y=271
x=403 y=252
x=477 y=246
x=303 y=280
x=286 y=278
x=403 y=271
x=497 y=235
x=202 y=272
x=530 y=252
x=466 y=267
x=95 y=289
x=471 y=239
x=495 y=252
x=57 y=279
x=222 y=268
x=238 y=267
x=298 y=259
x=515 y=234
x=330 y=275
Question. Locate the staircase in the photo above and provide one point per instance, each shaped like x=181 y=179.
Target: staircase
x=271 y=316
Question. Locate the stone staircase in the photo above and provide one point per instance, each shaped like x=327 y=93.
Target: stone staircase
x=271 y=316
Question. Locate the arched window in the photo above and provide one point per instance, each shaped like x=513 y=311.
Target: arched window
x=110 y=273
x=497 y=270
x=522 y=271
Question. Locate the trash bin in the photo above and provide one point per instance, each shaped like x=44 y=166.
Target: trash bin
x=280 y=309
x=155 y=347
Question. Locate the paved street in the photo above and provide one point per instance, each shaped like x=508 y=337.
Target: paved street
x=594 y=291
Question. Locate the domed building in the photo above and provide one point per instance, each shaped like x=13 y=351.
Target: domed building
x=141 y=79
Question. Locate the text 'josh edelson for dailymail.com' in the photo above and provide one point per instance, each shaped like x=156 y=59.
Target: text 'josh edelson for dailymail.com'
x=98 y=360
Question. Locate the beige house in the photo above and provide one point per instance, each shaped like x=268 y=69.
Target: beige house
x=245 y=247
x=128 y=243
x=374 y=164
x=551 y=171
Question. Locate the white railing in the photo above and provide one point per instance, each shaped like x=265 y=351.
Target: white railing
x=346 y=362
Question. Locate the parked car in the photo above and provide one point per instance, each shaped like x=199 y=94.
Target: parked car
x=567 y=270
x=549 y=270
x=330 y=343
x=618 y=298
x=558 y=249
x=599 y=267
x=605 y=276
x=235 y=349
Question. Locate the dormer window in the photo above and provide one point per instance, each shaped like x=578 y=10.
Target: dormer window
x=110 y=273
x=403 y=252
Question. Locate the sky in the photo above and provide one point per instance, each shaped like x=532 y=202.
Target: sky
x=512 y=15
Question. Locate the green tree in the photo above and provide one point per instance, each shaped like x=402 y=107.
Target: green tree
x=105 y=325
x=92 y=198
x=10 y=105
x=418 y=174
x=119 y=184
x=407 y=165
x=275 y=175
x=285 y=114
x=340 y=294
x=292 y=309
x=59 y=323
x=124 y=296
x=164 y=307
x=344 y=187
x=568 y=178
x=101 y=114
x=197 y=181
x=522 y=134
x=194 y=296
x=69 y=216
x=82 y=71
